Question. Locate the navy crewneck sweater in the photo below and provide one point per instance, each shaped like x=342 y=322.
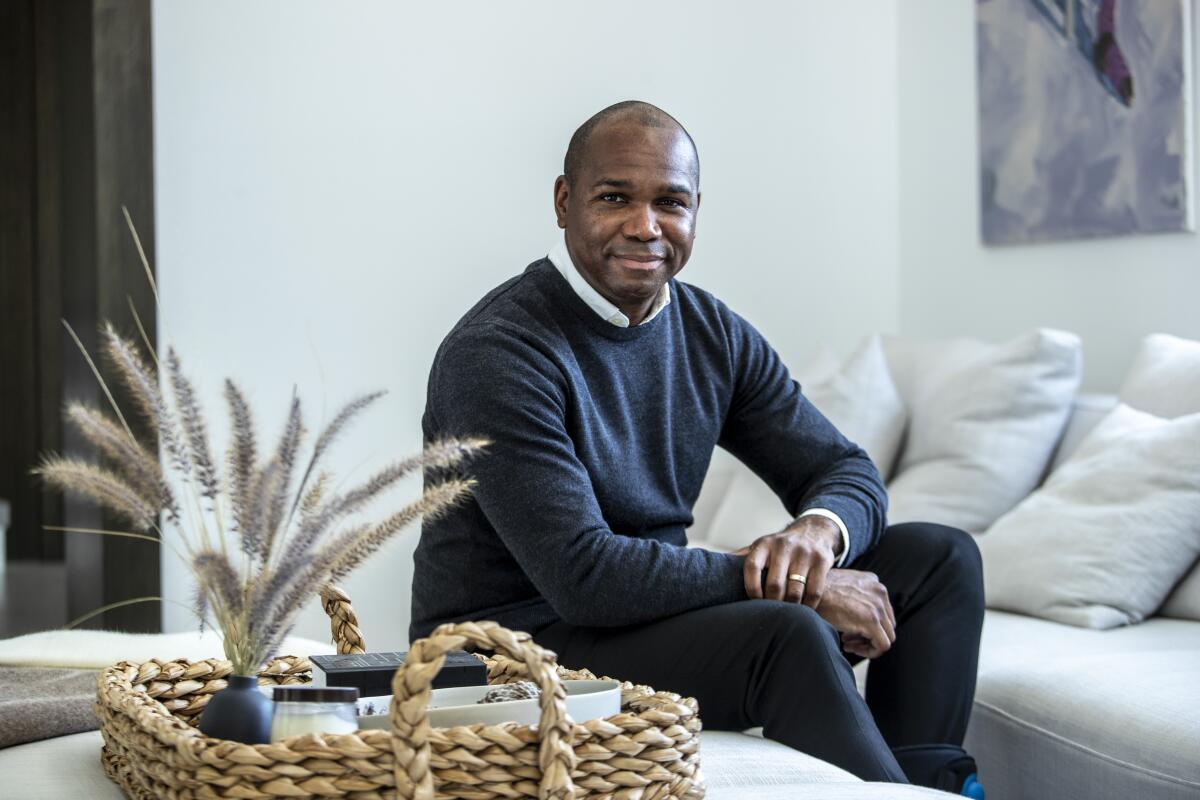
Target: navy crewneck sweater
x=601 y=439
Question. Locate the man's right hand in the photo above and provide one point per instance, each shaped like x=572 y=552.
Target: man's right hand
x=856 y=604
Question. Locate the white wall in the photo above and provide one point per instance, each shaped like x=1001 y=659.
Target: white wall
x=337 y=183
x=1111 y=292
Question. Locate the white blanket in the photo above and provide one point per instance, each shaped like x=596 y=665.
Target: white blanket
x=98 y=649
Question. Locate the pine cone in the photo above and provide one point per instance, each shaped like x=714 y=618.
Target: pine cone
x=523 y=690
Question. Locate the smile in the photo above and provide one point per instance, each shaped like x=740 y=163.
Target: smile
x=639 y=262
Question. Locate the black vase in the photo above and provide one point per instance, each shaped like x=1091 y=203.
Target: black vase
x=239 y=712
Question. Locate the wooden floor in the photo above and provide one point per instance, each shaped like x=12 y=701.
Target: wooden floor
x=33 y=596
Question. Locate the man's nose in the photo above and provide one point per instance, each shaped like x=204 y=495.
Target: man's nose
x=642 y=223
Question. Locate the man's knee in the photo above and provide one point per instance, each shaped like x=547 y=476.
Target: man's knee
x=792 y=642
x=953 y=550
x=790 y=627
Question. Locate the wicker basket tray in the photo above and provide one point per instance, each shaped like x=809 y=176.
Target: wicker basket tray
x=649 y=751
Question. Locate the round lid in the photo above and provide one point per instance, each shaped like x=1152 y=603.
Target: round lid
x=315 y=694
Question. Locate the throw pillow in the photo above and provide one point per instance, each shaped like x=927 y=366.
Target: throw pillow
x=1110 y=532
x=983 y=423
x=1165 y=377
x=1184 y=601
x=861 y=401
x=1165 y=380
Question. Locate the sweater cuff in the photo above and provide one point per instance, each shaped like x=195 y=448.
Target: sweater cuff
x=827 y=514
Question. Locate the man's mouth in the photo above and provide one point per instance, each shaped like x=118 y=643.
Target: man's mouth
x=639 y=261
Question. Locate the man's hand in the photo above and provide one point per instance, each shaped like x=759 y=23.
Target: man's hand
x=856 y=604
x=807 y=547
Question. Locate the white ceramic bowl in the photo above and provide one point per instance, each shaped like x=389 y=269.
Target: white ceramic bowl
x=460 y=706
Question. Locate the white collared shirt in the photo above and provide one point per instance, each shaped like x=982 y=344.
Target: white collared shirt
x=560 y=257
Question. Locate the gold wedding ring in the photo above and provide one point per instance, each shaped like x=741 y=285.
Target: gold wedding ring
x=797 y=577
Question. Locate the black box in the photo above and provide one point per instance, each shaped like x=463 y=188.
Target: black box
x=371 y=673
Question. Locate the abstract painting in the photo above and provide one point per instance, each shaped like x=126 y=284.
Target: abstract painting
x=1084 y=118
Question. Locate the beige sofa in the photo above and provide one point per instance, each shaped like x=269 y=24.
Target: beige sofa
x=1061 y=712
x=735 y=766
x=1065 y=713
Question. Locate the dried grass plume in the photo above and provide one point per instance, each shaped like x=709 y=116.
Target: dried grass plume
x=289 y=537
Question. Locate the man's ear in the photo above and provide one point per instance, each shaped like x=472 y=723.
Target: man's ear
x=561 y=193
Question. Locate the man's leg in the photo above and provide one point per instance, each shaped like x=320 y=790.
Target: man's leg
x=921 y=690
x=758 y=662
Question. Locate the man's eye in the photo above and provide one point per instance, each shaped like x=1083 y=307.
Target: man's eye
x=672 y=202
x=612 y=198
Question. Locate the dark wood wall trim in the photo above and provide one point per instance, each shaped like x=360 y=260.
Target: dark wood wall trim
x=19 y=381
x=76 y=143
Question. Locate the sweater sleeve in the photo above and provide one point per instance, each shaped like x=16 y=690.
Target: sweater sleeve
x=773 y=429
x=537 y=494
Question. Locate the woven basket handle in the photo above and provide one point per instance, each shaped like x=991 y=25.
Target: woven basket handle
x=412 y=684
x=343 y=622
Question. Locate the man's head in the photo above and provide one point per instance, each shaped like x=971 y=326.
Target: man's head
x=627 y=199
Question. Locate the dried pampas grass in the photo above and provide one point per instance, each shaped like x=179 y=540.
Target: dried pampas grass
x=294 y=537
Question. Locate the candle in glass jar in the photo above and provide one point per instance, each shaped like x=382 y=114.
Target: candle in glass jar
x=306 y=709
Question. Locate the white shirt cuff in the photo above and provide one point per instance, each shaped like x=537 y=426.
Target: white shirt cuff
x=827 y=514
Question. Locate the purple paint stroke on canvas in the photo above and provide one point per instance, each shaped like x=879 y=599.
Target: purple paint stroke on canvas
x=1082 y=118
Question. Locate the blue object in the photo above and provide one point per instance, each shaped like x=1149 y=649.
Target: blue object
x=239 y=712
x=972 y=787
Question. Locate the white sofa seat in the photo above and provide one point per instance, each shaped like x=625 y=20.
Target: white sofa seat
x=1072 y=712
x=735 y=766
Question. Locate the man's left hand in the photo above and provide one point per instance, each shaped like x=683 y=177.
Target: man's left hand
x=808 y=547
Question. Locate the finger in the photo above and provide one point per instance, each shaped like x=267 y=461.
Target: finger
x=741 y=551
x=887 y=616
x=752 y=571
x=891 y=613
x=858 y=645
x=888 y=625
x=860 y=650
x=880 y=640
x=885 y=600
x=796 y=566
x=818 y=571
x=777 y=570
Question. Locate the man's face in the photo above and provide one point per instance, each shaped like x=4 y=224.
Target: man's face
x=630 y=216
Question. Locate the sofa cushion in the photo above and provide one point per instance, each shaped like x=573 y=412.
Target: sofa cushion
x=1087 y=411
x=862 y=402
x=736 y=767
x=828 y=791
x=53 y=769
x=1011 y=641
x=1064 y=712
x=1165 y=380
x=731 y=760
x=983 y=422
x=1113 y=529
x=1184 y=600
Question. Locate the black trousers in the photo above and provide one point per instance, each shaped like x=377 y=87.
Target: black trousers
x=779 y=665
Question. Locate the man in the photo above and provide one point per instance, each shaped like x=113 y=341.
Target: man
x=604 y=385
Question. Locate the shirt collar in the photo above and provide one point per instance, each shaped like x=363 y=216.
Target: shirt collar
x=560 y=257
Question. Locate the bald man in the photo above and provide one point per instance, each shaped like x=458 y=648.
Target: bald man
x=605 y=384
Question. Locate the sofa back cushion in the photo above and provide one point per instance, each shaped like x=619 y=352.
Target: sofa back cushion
x=861 y=400
x=1086 y=412
x=1165 y=380
x=984 y=420
x=1102 y=543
